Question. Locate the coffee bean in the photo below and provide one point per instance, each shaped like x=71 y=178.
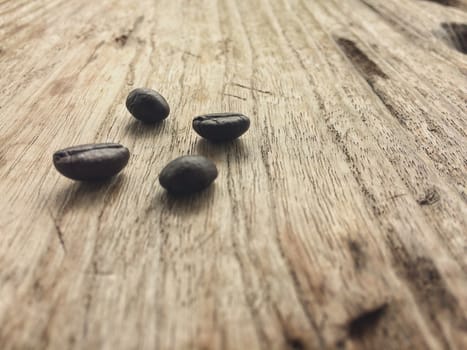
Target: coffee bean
x=220 y=127
x=91 y=162
x=188 y=174
x=147 y=105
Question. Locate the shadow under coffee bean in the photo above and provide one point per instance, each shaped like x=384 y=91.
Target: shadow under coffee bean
x=141 y=131
x=91 y=162
x=216 y=151
x=184 y=205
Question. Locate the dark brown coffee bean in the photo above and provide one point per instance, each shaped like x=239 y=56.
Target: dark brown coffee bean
x=91 y=162
x=188 y=174
x=220 y=127
x=147 y=105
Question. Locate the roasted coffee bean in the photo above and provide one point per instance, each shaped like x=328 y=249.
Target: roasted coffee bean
x=188 y=174
x=147 y=105
x=220 y=127
x=91 y=162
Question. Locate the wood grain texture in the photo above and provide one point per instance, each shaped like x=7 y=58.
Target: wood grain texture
x=339 y=221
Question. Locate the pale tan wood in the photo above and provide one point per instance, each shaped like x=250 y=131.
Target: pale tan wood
x=339 y=221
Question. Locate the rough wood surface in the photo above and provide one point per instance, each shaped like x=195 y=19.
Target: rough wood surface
x=339 y=221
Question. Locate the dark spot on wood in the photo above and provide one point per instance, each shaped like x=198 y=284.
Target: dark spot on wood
x=431 y=197
x=341 y=344
x=295 y=344
x=71 y=339
x=426 y=279
x=121 y=40
x=453 y=3
x=457 y=35
x=360 y=60
x=358 y=255
x=429 y=289
x=61 y=86
x=366 y=321
x=423 y=277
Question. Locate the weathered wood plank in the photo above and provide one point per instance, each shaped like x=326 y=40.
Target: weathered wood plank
x=337 y=222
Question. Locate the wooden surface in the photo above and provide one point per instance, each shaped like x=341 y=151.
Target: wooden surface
x=339 y=221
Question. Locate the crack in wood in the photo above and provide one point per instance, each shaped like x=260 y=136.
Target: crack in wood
x=457 y=33
x=452 y=3
x=369 y=70
x=366 y=66
x=358 y=255
x=366 y=321
x=58 y=231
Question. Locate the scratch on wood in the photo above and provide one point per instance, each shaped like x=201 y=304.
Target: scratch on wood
x=185 y=52
x=235 y=96
x=58 y=230
x=369 y=196
x=366 y=321
x=92 y=56
x=252 y=88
